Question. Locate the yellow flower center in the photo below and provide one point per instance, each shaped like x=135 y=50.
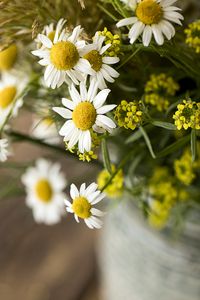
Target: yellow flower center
x=43 y=190
x=95 y=59
x=8 y=57
x=149 y=12
x=84 y=115
x=51 y=35
x=64 y=55
x=81 y=207
x=7 y=96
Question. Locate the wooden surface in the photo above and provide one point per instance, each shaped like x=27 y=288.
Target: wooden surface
x=39 y=262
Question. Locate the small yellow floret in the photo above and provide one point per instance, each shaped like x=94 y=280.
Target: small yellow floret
x=7 y=96
x=159 y=91
x=187 y=115
x=95 y=59
x=84 y=115
x=64 y=55
x=128 y=114
x=149 y=12
x=44 y=190
x=113 y=40
x=193 y=35
x=184 y=168
x=81 y=207
x=8 y=57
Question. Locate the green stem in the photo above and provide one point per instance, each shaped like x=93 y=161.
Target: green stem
x=129 y=57
x=24 y=137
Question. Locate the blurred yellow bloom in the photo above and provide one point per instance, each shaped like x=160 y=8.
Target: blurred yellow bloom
x=193 y=35
x=115 y=188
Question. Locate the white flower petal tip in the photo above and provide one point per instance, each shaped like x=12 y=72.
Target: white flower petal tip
x=156 y=22
x=85 y=112
x=82 y=204
x=44 y=185
x=4 y=150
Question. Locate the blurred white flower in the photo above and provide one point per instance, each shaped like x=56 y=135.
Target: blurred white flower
x=61 y=54
x=45 y=129
x=83 y=202
x=11 y=99
x=86 y=111
x=4 y=150
x=95 y=54
x=153 y=17
x=130 y=3
x=44 y=186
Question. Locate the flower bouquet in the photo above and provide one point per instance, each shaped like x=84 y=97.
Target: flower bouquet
x=122 y=93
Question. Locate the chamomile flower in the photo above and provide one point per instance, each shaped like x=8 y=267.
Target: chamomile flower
x=44 y=186
x=4 y=151
x=61 y=54
x=11 y=99
x=86 y=112
x=153 y=17
x=83 y=202
x=46 y=130
x=100 y=63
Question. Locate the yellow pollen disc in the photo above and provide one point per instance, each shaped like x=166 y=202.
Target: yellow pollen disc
x=51 y=35
x=95 y=59
x=149 y=12
x=7 y=96
x=64 y=55
x=81 y=207
x=43 y=190
x=84 y=115
x=8 y=57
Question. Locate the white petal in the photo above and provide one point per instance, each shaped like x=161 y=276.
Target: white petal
x=68 y=103
x=92 y=90
x=67 y=129
x=74 y=94
x=87 y=222
x=147 y=35
x=157 y=34
x=97 y=212
x=127 y=21
x=83 y=91
x=67 y=203
x=112 y=72
x=74 y=138
x=106 y=108
x=98 y=199
x=74 y=193
x=106 y=76
x=87 y=141
x=105 y=120
x=104 y=49
x=100 y=98
x=101 y=82
x=82 y=189
x=45 y=40
x=91 y=189
x=135 y=31
x=110 y=60
x=63 y=112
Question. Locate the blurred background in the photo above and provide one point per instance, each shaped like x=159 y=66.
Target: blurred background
x=39 y=262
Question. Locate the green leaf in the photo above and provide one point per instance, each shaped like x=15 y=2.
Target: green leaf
x=174 y=147
x=193 y=144
x=136 y=135
x=148 y=142
x=164 y=125
x=106 y=157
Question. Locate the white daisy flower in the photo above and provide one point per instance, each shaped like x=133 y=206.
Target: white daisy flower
x=46 y=130
x=153 y=17
x=84 y=113
x=44 y=186
x=82 y=205
x=62 y=57
x=11 y=99
x=102 y=71
x=4 y=151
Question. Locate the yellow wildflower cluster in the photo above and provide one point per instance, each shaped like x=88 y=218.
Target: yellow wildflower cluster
x=193 y=35
x=187 y=115
x=114 y=40
x=115 y=188
x=185 y=169
x=158 y=91
x=128 y=114
x=163 y=196
x=87 y=156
